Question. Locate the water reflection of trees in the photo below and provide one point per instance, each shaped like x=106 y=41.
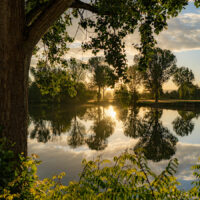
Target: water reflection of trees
x=76 y=134
x=133 y=124
x=156 y=140
x=101 y=130
x=183 y=124
x=40 y=132
x=49 y=122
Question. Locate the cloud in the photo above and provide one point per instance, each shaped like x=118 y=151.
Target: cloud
x=183 y=33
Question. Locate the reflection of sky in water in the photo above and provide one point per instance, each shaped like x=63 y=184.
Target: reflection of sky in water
x=57 y=156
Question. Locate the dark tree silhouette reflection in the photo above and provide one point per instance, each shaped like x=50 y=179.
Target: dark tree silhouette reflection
x=183 y=125
x=41 y=131
x=101 y=131
x=77 y=134
x=133 y=124
x=50 y=121
x=102 y=128
x=154 y=139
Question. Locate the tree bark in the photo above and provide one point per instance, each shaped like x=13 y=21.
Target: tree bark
x=17 y=41
x=14 y=66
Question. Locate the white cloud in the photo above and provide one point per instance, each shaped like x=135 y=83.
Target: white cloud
x=183 y=33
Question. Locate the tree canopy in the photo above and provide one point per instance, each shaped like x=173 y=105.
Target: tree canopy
x=160 y=68
x=149 y=17
x=183 y=78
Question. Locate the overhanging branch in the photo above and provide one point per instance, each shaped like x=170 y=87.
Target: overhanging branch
x=41 y=18
x=81 y=5
x=35 y=12
x=45 y=20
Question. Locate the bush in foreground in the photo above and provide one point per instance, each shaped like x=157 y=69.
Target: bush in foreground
x=126 y=177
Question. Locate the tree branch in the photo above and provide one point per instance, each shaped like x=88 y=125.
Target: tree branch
x=35 y=12
x=81 y=5
x=45 y=20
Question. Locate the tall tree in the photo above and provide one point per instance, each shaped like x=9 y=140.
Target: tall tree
x=77 y=69
x=160 y=68
x=24 y=22
x=183 y=78
x=134 y=77
x=102 y=74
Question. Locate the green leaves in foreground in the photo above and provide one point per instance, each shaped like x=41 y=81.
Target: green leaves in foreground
x=126 y=177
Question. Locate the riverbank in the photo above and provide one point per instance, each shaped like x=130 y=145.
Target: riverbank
x=192 y=105
x=188 y=105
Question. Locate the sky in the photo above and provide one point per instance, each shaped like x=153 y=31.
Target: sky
x=182 y=37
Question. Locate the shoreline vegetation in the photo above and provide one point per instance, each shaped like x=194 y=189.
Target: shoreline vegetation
x=189 y=105
x=125 y=177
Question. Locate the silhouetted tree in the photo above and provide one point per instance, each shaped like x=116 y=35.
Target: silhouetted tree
x=102 y=74
x=135 y=79
x=161 y=67
x=77 y=134
x=183 y=78
x=77 y=69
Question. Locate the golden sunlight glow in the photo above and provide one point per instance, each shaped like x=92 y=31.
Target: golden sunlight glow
x=109 y=89
x=110 y=112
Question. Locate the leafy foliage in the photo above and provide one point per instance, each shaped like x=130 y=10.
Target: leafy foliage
x=59 y=84
x=103 y=75
x=7 y=163
x=122 y=95
x=160 y=68
x=126 y=177
x=183 y=78
x=149 y=17
x=53 y=81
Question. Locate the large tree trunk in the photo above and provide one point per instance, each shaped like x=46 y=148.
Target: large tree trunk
x=14 y=66
x=16 y=44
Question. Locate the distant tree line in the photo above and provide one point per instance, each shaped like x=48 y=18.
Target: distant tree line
x=161 y=67
x=79 y=82
x=59 y=84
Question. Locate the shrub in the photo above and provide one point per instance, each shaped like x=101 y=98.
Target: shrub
x=126 y=177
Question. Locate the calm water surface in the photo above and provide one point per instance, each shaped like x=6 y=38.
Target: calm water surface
x=63 y=136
